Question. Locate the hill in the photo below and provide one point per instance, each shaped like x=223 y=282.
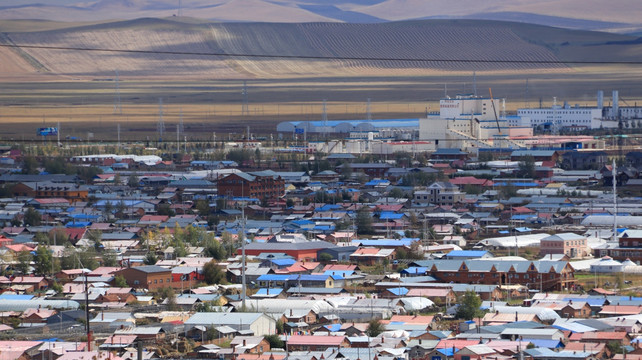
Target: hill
x=437 y=43
x=623 y=16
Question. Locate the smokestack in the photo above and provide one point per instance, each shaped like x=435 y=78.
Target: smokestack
x=616 y=104
x=600 y=99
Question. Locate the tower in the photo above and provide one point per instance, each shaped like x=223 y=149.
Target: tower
x=118 y=108
x=161 y=124
x=368 y=114
x=244 y=108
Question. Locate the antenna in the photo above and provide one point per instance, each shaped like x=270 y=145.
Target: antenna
x=526 y=95
x=161 y=124
x=368 y=114
x=118 y=107
x=244 y=108
x=324 y=118
x=475 y=83
x=180 y=8
x=181 y=128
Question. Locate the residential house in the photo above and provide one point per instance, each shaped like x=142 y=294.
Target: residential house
x=316 y=342
x=573 y=245
x=148 y=277
x=258 y=185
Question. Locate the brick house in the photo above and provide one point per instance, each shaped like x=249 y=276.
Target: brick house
x=148 y=277
x=570 y=244
x=258 y=185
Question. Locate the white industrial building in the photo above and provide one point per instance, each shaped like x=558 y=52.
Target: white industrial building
x=558 y=117
x=468 y=122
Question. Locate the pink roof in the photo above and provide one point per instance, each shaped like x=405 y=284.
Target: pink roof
x=52 y=201
x=18 y=247
x=315 y=340
x=470 y=180
x=459 y=344
x=27 y=279
x=621 y=309
x=340 y=267
x=89 y=355
x=413 y=319
x=120 y=339
x=428 y=292
x=366 y=251
x=42 y=313
x=104 y=270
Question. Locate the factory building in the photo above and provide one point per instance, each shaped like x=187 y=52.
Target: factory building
x=469 y=123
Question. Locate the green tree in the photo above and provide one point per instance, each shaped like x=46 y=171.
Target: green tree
x=150 y=258
x=119 y=281
x=95 y=236
x=275 y=341
x=132 y=181
x=109 y=258
x=363 y=221
x=57 y=287
x=375 y=327
x=203 y=208
x=213 y=273
x=526 y=167
x=29 y=165
x=325 y=257
x=24 y=262
x=43 y=261
x=469 y=304
x=32 y=217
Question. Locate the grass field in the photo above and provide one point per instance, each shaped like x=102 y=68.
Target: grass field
x=41 y=87
x=215 y=106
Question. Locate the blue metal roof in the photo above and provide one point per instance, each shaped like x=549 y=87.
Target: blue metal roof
x=399 y=291
x=415 y=270
x=467 y=253
x=283 y=262
x=387 y=215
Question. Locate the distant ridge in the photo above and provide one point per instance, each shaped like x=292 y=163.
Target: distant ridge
x=501 y=46
x=622 y=16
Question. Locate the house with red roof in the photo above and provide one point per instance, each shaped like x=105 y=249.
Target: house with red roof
x=372 y=255
x=37 y=316
x=602 y=337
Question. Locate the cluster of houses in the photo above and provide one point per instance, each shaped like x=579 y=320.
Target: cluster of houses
x=322 y=255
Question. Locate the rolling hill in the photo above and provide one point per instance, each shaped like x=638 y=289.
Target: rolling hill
x=157 y=48
x=622 y=16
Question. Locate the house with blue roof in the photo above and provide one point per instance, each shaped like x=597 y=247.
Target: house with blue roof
x=468 y=254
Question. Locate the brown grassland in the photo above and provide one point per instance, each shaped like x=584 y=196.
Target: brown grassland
x=42 y=87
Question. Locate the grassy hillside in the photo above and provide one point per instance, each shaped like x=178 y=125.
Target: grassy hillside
x=438 y=43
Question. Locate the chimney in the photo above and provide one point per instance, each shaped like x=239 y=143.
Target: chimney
x=291 y=313
x=244 y=342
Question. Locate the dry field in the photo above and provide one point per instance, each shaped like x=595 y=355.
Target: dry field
x=41 y=87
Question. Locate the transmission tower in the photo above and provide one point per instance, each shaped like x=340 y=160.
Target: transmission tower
x=180 y=8
x=161 y=123
x=324 y=118
x=368 y=113
x=118 y=107
x=181 y=128
x=244 y=109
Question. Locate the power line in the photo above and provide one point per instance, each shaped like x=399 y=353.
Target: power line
x=317 y=57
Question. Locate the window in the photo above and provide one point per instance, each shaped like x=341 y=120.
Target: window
x=155 y=281
x=136 y=282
